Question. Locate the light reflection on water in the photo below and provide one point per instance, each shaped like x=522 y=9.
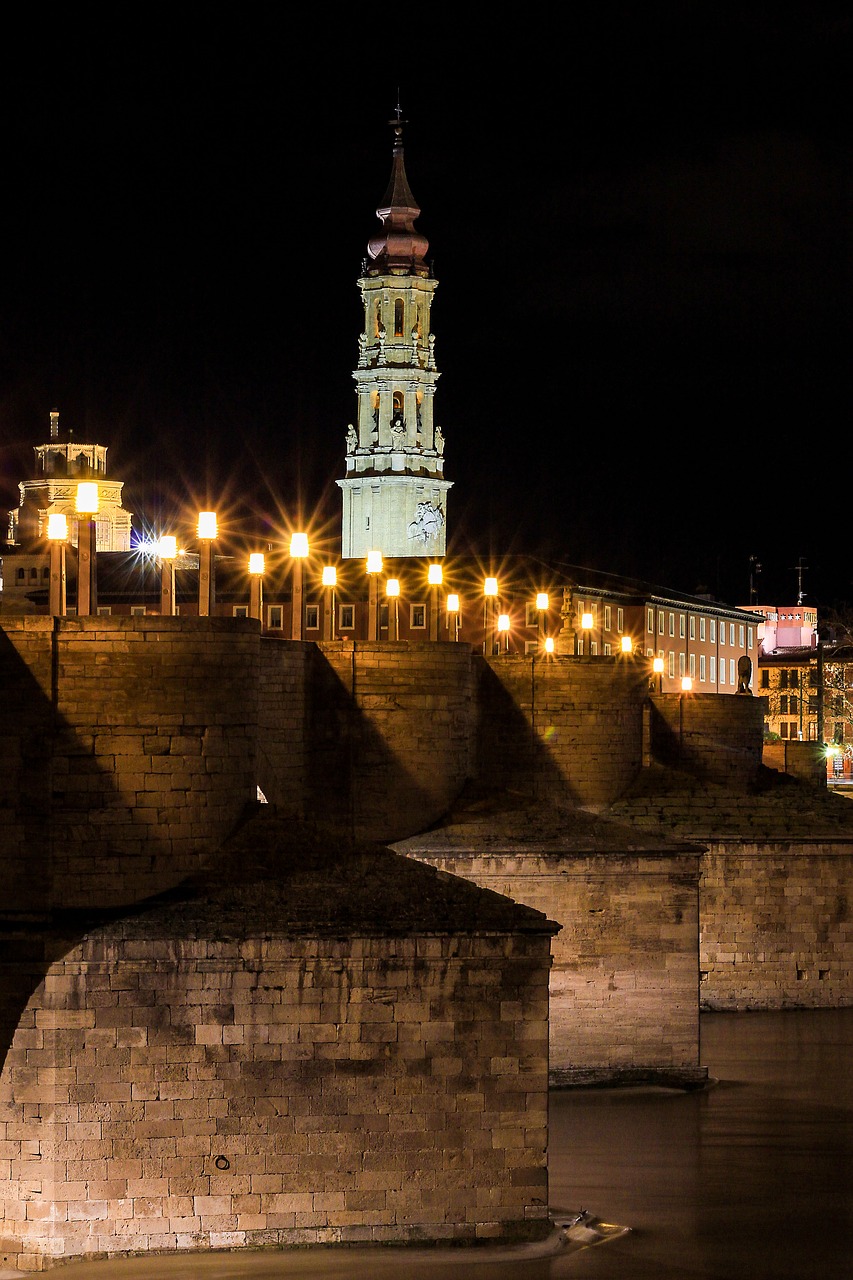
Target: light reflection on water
x=749 y=1180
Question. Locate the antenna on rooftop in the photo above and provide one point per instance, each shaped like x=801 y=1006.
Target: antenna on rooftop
x=799 y=567
x=754 y=571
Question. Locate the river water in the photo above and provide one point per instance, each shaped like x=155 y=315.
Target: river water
x=751 y=1179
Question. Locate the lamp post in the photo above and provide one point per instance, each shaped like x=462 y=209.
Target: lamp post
x=490 y=598
x=686 y=684
x=298 y=553
x=627 y=644
x=503 y=630
x=257 y=567
x=57 y=533
x=434 y=577
x=87 y=580
x=543 y=604
x=657 y=668
x=167 y=549
x=453 y=615
x=392 y=591
x=374 y=568
x=549 y=644
x=207 y=532
x=586 y=626
x=330 y=581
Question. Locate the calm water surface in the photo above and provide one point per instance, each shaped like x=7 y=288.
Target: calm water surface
x=749 y=1180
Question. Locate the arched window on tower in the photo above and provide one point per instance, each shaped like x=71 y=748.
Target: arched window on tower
x=398 y=404
x=398 y=317
x=377 y=318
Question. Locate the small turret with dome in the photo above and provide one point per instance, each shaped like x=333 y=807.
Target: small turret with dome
x=61 y=463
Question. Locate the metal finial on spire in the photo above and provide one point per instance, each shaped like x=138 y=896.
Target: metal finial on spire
x=398 y=121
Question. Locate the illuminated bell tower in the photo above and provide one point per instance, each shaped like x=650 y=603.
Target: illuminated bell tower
x=394 y=494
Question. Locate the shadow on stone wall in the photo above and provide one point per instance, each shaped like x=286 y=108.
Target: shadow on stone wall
x=510 y=753
x=27 y=727
x=370 y=768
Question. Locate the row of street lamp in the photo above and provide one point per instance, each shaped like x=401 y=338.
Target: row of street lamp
x=496 y=624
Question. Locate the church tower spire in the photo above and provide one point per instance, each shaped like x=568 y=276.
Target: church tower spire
x=394 y=493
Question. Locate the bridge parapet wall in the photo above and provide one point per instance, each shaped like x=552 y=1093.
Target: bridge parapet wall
x=568 y=729
x=132 y=751
x=717 y=737
x=133 y=745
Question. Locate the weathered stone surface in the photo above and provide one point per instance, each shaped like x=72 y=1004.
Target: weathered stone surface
x=625 y=963
x=314 y=1043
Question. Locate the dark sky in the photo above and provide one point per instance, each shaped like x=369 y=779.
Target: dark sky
x=640 y=224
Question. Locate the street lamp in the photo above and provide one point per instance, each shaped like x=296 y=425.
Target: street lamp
x=686 y=683
x=503 y=629
x=392 y=591
x=298 y=553
x=627 y=644
x=207 y=532
x=374 y=568
x=167 y=549
x=587 y=621
x=543 y=604
x=490 y=594
x=453 y=614
x=657 y=668
x=434 y=578
x=257 y=567
x=330 y=580
x=87 y=581
x=549 y=644
x=57 y=533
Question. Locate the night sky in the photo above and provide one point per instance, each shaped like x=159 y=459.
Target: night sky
x=640 y=223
